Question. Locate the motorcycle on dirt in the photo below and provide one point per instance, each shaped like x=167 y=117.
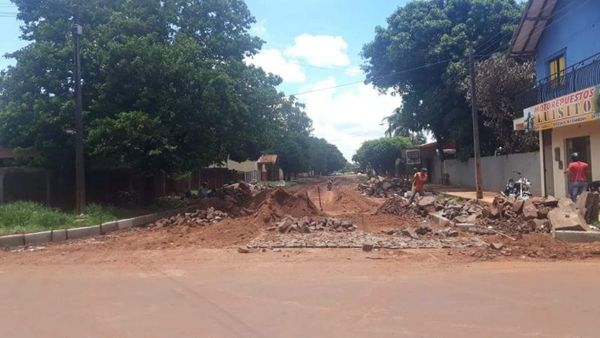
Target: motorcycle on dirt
x=329 y=185
x=521 y=188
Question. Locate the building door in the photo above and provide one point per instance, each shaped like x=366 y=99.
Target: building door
x=580 y=145
x=548 y=163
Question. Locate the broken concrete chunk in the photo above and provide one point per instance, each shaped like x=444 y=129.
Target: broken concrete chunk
x=529 y=210
x=409 y=233
x=427 y=201
x=423 y=230
x=551 y=201
x=566 y=203
x=565 y=218
x=497 y=246
x=518 y=205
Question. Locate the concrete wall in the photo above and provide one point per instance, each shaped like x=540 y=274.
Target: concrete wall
x=559 y=136
x=575 y=34
x=496 y=170
x=246 y=166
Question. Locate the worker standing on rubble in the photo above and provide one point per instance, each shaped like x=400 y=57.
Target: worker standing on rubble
x=419 y=179
x=578 y=176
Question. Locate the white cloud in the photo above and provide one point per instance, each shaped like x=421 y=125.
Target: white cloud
x=348 y=116
x=272 y=61
x=353 y=71
x=320 y=50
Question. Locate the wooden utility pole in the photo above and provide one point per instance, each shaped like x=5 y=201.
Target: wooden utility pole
x=79 y=164
x=476 y=147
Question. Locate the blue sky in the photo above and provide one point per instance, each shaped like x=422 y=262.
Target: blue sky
x=311 y=44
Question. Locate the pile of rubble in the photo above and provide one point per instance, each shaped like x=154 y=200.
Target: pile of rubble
x=384 y=187
x=456 y=210
x=237 y=193
x=399 y=206
x=308 y=225
x=196 y=218
x=507 y=215
x=423 y=230
x=367 y=241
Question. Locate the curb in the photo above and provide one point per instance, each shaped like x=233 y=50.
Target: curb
x=577 y=236
x=59 y=235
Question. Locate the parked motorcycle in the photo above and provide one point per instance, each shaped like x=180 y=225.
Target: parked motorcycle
x=521 y=188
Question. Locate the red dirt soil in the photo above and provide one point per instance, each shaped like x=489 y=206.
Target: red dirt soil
x=271 y=206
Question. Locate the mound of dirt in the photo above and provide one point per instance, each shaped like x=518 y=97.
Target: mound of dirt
x=276 y=204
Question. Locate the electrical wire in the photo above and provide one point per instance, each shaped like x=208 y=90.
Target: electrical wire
x=378 y=77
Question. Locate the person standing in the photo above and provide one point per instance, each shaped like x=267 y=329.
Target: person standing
x=578 y=176
x=419 y=180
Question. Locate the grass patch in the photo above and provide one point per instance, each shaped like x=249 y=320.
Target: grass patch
x=21 y=217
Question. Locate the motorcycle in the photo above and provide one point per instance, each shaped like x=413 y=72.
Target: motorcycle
x=521 y=188
x=329 y=185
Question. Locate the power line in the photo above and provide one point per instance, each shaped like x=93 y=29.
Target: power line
x=377 y=77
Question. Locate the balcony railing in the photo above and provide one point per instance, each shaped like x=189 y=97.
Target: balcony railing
x=579 y=76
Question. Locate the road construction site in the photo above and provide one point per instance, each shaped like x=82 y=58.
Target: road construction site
x=304 y=261
x=252 y=218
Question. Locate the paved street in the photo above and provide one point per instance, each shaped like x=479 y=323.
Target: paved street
x=343 y=293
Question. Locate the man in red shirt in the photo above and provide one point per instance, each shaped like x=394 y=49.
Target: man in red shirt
x=578 y=176
x=419 y=180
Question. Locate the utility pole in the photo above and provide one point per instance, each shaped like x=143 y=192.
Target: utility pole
x=476 y=147
x=79 y=164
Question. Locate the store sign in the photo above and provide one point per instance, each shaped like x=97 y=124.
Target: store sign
x=578 y=107
x=413 y=156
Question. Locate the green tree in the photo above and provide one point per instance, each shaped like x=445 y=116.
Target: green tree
x=422 y=56
x=325 y=158
x=381 y=154
x=500 y=81
x=165 y=86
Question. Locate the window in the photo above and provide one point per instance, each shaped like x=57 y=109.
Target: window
x=557 y=69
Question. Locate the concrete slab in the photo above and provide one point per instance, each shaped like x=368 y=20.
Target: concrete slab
x=109 y=227
x=38 y=237
x=578 y=236
x=437 y=218
x=9 y=241
x=90 y=231
x=59 y=235
x=125 y=223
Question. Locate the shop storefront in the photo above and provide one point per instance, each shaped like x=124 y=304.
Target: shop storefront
x=566 y=124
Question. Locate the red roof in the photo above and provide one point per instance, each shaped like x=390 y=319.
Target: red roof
x=268 y=159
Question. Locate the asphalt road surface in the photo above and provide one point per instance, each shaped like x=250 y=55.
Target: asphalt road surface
x=309 y=293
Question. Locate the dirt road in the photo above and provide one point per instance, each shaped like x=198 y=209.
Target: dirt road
x=331 y=293
x=190 y=281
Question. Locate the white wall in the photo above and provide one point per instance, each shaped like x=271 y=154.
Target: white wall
x=559 y=136
x=496 y=170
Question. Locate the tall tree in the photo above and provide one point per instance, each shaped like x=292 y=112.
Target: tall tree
x=165 y=85
x=422 y=56
x=381 y=154
x=500 y=80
